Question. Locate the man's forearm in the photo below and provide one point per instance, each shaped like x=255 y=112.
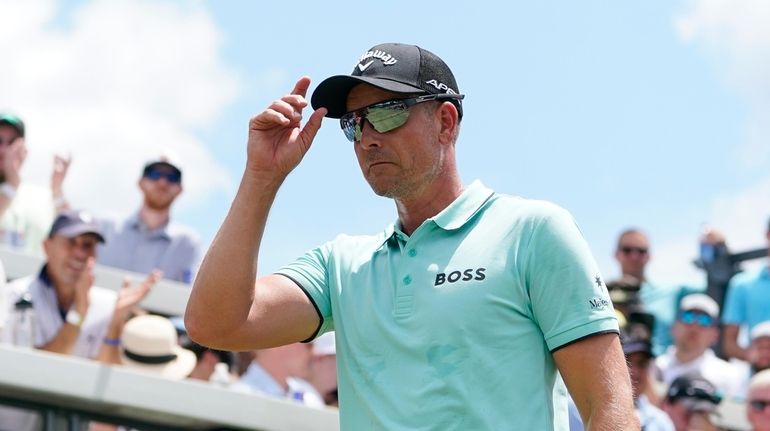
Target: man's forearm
x=730 y=343
x=224 y=287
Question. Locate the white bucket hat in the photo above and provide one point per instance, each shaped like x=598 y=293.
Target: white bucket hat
x=150 y=343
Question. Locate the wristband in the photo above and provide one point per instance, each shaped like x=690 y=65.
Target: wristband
x=74 y=318
x=112 y=342
x=8 y=190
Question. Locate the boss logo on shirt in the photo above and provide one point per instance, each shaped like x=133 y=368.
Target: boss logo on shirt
x=465 y=275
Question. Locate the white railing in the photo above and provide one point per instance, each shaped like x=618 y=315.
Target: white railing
x=167 y=297
x=82 y=387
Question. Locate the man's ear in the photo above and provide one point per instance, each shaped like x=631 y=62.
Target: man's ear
x=450 y=121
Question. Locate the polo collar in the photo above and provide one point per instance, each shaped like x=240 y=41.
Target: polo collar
x=136 y=223
x=464 y=207
x=459 y=212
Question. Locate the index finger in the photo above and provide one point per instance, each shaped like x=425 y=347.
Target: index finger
x=301 y=86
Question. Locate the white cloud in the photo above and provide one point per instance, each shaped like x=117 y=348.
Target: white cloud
x=735 y=35
x=114 y=83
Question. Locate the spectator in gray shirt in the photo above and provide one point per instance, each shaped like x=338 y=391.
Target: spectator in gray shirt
x=148 y=239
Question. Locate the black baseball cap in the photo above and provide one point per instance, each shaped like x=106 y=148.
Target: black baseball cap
x=395 y=67
x=13 y=121
x=699 y=393
x=72 y=223
x=635 y=344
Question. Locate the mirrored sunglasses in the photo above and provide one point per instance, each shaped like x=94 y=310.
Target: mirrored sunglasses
x=385 y=116
x=694 y=317
x=155 y=175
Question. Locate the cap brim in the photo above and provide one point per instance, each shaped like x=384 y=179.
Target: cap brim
x=177 y=369
x=332 y=93
x=77 y=230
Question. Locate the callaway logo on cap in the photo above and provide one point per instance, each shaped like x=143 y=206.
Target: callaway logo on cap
x=395 y=67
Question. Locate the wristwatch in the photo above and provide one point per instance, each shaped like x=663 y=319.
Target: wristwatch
x=74 y=318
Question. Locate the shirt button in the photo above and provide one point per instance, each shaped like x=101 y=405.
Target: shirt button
x=412 y=253
x=408 y=279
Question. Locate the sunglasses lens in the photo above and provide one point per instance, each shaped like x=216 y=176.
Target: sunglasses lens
x=689 y=317
x=385 y=119
x=171 y=177
x=704 y=320
x=630 y=250
x=348 y=124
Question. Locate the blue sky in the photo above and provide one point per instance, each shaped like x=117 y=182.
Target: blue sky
x=651 y=114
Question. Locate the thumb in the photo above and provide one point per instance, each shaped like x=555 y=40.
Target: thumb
x=313 y=124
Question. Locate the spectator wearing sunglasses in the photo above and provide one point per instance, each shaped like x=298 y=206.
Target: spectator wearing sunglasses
x=472 y=308
x=695 y=331
x=633 y=254
x=26 y=210
x=747 y=304
x=148 y=240
x=758 y=402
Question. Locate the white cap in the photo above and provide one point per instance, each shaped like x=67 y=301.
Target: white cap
x=761 y=330
x=325 y=345
x=700 y=302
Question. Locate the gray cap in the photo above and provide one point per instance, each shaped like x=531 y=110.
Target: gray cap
x=72 y=223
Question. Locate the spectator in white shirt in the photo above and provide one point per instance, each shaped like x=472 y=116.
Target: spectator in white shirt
x=696 y=329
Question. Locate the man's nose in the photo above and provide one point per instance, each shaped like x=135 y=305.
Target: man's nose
x=369 y=136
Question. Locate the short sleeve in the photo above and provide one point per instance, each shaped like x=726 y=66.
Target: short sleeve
x=734 y=312
x=311 y=273
x=568 y=296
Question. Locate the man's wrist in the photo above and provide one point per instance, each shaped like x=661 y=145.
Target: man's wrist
x=74 y=318
x=9 y=190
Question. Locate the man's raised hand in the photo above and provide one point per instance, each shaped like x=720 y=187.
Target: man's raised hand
x=277 y=143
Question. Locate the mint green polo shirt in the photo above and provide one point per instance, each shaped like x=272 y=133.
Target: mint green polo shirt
x=453 y=327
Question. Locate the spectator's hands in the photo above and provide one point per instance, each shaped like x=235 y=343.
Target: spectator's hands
x=61 y=165
x=83 y=286
x=130 y=294
x=276 y=142
x=712 y=236
x=14 y=159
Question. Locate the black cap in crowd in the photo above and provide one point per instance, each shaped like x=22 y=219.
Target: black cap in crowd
x=12 y=121
x=699 y=393
x=635 y=344
x=395 y=67
x=73 y=223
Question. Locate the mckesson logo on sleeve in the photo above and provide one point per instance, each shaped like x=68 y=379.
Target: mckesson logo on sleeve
x=598 y=303
x=469 y=274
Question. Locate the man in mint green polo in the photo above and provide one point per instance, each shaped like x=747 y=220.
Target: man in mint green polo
x=473 y=311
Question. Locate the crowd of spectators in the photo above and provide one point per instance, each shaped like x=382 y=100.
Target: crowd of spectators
x=687 y=350
x=60 y=309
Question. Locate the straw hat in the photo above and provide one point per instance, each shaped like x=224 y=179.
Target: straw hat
x=149 y=343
